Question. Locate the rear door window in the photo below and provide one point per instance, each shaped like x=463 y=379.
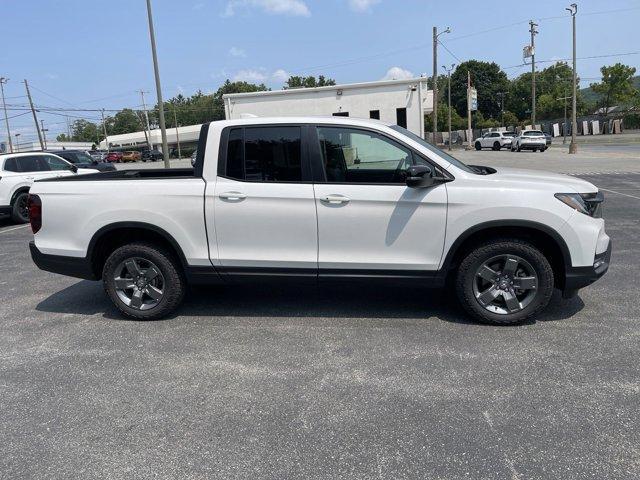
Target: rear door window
x=32 y=163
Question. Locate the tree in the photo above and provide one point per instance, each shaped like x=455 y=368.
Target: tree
x=308 y=82
x=616 y=86
x=487 y=78
x=125 y=121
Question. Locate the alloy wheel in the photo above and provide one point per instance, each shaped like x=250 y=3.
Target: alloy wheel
x=139 y=283
x=505 y=284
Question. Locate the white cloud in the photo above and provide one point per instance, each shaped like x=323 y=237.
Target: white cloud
x=397 y=73
x=281 y=75
x=261 y=75
x=296 y=8
x=362 y=5
x=237 y=52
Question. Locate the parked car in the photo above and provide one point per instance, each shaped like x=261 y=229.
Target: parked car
x=131 y=156
x=329 y=199
x=193 y=158
x=82 y=159
x=98 y=155
x=18 y=171
x=529 y=140
x=115 y=157
x=494 y=140
x=548 y=139
x=151 y=155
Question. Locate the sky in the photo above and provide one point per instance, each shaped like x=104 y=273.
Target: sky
x=95 y=54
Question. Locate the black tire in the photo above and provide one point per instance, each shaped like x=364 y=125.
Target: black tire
x=468 y=270
x=518 y=149
x=496 y=146
x=478 y=146
x=19 y=209
x=174 y=283
x=543 y=149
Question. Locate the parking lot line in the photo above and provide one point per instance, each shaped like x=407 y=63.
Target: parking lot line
x=12 y=229
x=620 y=193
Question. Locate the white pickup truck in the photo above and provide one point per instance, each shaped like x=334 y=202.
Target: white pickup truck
x=314 y=199
x=18 y=171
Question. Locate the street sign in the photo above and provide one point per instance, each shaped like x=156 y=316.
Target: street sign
x=473 y=99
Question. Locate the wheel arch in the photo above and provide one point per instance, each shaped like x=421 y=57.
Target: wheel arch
x=548 y=240
x=18 y=191
x=115 y=235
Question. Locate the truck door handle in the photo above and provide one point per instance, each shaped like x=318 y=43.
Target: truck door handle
x=232 y=196
x=29 y=178
x=335 y=199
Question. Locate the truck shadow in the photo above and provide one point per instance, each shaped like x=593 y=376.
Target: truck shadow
x=346 y=301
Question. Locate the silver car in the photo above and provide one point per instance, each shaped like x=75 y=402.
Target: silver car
x=529 y=140
x=193 y=158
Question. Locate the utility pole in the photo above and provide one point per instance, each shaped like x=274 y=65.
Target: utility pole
x=564 y=125
x=434 y=115
x=469 y=133
x=44 y=135
x=573 y=147
x=35 y=118
x=533 y=32
x=175 y=121
x=6 y=118
x=68 y=128
x=17 y=142
x=448 y=70
x=146 y=116
x=163 y=130
x=104 y=127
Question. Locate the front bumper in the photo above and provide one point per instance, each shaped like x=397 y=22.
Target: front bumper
x=579 y=277
x=79 y=267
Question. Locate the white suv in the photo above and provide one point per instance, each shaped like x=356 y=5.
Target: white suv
x=494 y=140
x=529 y=140
x=18 y=171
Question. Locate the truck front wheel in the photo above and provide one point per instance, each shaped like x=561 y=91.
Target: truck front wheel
x=144 y=281
x=504 y=282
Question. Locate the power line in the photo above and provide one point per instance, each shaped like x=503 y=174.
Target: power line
x=450 y=52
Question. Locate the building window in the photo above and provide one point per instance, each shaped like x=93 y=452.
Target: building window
x=375 y=114
x=341 y=114
x=401 y=117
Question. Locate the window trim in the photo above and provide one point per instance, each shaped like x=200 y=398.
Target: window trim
x=315 y=155
x=306 y=172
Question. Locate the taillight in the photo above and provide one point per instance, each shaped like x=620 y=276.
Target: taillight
x=34 y=204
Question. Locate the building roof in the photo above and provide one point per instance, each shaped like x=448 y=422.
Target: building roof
x=345 y=86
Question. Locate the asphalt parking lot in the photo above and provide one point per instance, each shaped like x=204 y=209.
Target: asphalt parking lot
x=289 y=382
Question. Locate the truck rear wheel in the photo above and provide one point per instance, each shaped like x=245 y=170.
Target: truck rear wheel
x=504 y=282
x=19 y=208
x=143 y=281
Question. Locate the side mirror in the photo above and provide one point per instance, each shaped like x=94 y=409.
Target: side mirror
x=74 y=169
x=419 y=176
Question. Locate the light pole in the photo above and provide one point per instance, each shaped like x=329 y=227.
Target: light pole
x=533 y=32
x=573 y=146
x=448 y=70
x=434 y=115
x=564 y=125
x=17 y=143
x=502 y=94
x=6 y=118
x=156 y=71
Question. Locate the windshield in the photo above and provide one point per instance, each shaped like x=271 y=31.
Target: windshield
x=77 y=157
x=431 y=148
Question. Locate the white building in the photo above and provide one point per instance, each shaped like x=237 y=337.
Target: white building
x=401 y=102
x=29 y=146
x=188 y=136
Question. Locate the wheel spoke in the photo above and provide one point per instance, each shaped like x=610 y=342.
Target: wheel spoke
x=136 y=299
x=124 y=283
x=510 y=266
x=511 y=301
x=153 y=292
x=151 y=273
x=525 y=283
x=133 y=268
x=489 y=295
x=488 y=274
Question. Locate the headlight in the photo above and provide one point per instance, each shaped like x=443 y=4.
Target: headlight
x=587 y=203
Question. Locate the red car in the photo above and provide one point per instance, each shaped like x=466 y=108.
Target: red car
x=113 y=157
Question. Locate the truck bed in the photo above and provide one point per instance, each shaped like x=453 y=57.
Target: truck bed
x=142 y=174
